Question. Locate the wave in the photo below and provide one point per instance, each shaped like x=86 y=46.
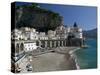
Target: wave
x=73 y=56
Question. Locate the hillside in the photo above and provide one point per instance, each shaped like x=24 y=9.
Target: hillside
x=90 y=33
x=36 y=17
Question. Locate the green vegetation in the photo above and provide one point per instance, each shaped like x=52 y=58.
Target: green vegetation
x=33 y=5
x=37 y=17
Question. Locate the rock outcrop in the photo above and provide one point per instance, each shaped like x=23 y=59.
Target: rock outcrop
x=36 y=17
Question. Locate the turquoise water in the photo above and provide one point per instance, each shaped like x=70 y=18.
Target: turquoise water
x=87 y=57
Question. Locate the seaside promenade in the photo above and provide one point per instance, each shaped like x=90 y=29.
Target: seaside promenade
x=54 y=60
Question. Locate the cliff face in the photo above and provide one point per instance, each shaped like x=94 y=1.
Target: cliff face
x=41 y=19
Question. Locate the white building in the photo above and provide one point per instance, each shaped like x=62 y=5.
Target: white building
x=42 y=36
x=24 y=29
x=29 y=46
x=33 y=34
x=77 y=32
x=29 y=33
x=51 y=34
x=16 y=35
x=61 y=32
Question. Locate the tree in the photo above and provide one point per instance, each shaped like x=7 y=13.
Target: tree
x=34 y=5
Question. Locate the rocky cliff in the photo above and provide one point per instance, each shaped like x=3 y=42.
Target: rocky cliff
x=36 y=17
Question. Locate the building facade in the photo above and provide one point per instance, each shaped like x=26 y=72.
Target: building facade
x=61 y=33
x=29 y=46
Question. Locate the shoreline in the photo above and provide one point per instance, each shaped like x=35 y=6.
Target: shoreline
x=61 y=59
x=58 y=59
x=73 y=56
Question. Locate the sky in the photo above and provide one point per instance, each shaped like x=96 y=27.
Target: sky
x=84 y=16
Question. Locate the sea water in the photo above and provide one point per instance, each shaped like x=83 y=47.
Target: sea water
x=87 y=57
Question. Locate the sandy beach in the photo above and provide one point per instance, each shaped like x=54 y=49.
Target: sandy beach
x=54 y=61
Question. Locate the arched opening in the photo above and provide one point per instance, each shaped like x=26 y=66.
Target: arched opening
x=70 y=37
x=21 y=47
x=60 y=43
x=37 y=43
x=17 y=48
x=57 y=43
x=52 y=43
x=43 y=44
x=48 y=44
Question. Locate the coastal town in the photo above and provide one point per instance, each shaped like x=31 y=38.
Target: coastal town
x=30 y=48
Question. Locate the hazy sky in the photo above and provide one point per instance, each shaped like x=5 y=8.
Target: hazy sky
x=85 y=16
